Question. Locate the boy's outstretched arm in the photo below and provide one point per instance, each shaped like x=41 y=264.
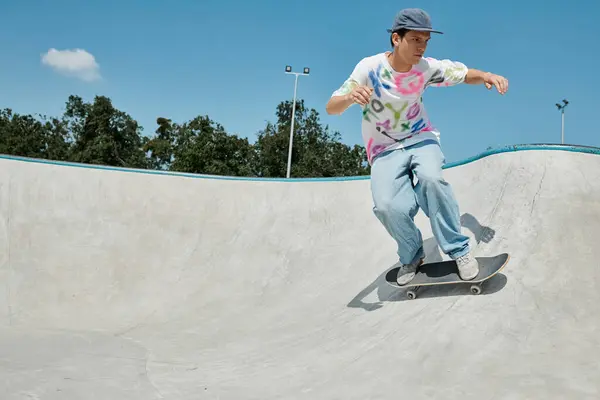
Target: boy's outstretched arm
x=477 y=77
x=338 y=104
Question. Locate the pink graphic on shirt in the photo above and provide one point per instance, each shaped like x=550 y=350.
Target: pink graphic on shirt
x=373 y=151
x=386 y=125
x=377 y=150
x=413 y=111
x=410 y=83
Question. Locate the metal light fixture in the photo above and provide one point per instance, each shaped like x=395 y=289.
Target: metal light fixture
x=288 y=70
x=561 y=108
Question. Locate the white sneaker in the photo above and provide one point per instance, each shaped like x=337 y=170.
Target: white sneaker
x=468 y=267
x=407 y=272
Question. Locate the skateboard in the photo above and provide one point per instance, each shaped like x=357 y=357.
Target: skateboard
x=446 y=272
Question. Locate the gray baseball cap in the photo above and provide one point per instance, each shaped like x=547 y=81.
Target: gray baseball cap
x=413 y=19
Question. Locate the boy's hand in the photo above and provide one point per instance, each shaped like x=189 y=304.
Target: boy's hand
x=500 y=82
x=361 y=95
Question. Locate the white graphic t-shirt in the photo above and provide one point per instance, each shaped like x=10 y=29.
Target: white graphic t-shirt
x=396 y=116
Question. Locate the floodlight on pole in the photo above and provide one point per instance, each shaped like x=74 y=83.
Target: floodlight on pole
x=288 y=70
x=561 y=108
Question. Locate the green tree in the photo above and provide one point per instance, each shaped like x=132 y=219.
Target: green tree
x=26 y=136
x=103 y=135
x=160 y=147
x=200 y=146
x=98 y=133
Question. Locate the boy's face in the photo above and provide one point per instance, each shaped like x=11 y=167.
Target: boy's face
x=412 y=47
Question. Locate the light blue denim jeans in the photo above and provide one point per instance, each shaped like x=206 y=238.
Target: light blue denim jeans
x=397 y=201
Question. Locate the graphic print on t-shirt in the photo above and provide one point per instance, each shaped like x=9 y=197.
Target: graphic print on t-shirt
x=396 y=114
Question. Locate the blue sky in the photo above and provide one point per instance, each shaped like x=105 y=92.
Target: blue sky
x=226 y=59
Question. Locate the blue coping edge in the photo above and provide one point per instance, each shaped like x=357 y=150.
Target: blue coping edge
x=499 y=150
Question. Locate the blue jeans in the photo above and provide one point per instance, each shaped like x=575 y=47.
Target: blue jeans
x=397 y=200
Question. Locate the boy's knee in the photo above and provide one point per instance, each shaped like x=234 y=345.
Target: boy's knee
x=395 y=208
x=431 y=176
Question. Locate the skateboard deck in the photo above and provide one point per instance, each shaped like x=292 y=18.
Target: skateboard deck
x=446 y=272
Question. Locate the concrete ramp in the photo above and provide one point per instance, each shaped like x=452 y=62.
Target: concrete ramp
x=121 y=284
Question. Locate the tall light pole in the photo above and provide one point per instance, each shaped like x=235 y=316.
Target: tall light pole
x=561 y=108
x=288 y=70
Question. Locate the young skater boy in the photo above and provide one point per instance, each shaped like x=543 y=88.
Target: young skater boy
x=401 y=141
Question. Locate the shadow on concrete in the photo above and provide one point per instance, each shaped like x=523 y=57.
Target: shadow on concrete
x=433 y=253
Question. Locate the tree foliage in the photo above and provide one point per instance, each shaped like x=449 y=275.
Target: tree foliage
x=26 y=136
x=103 y=135
x=99 y=133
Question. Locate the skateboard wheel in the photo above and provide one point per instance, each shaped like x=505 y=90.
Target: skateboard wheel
x=411 y=294
x=475 y=289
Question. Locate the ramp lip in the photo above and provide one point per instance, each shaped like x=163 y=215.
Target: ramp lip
x=574 y=148
x=487 y=153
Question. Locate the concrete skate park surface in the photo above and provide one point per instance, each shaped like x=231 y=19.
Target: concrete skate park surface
x=121 y=284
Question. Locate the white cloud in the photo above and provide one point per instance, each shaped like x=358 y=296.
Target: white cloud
x=76 y=62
